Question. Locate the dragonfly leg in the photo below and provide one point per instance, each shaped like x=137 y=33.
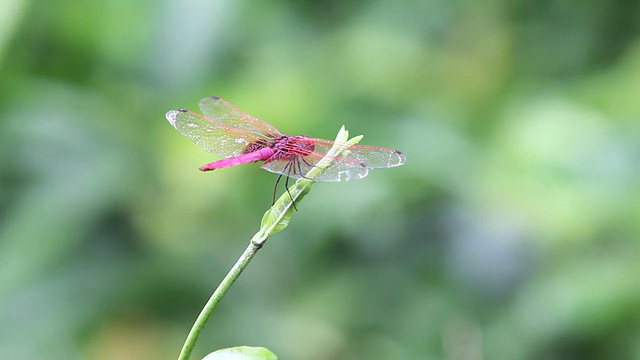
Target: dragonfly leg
x=300 y=168
x=275 y=188
x=286 y=186
x=285 y=171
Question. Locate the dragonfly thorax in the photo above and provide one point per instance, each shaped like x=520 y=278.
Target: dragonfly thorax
x=289 y=147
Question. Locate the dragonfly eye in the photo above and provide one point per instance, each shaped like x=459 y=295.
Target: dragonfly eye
x=305 y=147
x=304 y=143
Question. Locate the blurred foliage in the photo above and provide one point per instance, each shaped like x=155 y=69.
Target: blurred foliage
x=513 y=231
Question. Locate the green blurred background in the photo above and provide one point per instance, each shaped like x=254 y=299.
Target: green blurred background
x=512 y=232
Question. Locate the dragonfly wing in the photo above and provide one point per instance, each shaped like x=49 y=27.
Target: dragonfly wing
x=209 y=134
x=373 y=156
x=341 y=169
x=229 y=115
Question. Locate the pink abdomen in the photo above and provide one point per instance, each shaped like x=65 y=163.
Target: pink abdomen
x=262 y=154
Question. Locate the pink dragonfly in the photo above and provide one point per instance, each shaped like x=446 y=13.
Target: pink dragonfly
x=240 y=138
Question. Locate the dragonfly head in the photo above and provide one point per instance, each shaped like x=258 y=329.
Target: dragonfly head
x=305 y=144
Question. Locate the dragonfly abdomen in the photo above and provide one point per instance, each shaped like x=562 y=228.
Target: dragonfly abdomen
x=260 y=155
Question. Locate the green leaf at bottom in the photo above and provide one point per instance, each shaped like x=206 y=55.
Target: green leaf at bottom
x=242 y=353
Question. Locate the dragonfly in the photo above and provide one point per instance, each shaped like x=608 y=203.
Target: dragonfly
x=239 y=138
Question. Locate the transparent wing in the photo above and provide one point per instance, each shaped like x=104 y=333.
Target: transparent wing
x=372 y=156
x=209 y=134
x=353 y=163
x=342 y=169
x=229 y=115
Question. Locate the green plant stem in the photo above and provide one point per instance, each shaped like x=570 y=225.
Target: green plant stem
x=222 y=289
x=274 y=220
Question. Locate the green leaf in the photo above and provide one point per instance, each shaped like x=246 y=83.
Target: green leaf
x=242 y=353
